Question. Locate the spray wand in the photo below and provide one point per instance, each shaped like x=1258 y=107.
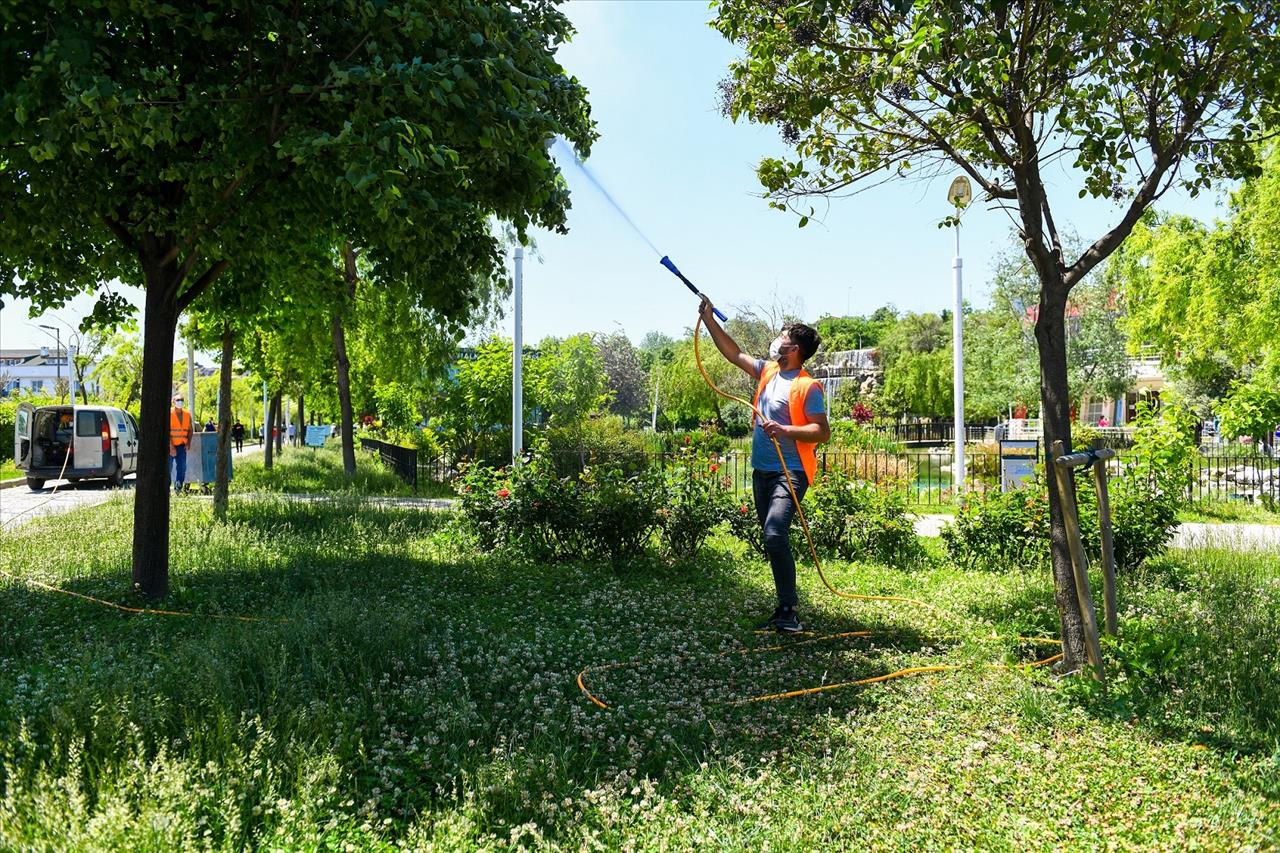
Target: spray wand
x=666 y=262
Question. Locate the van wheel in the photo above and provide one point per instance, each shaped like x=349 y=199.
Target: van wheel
x=35 y=484
x=116 y=480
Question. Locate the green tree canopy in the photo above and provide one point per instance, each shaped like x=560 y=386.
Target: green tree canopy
x=161 y=144
x=1136 y=97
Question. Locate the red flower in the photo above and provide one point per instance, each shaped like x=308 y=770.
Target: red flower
x=715 y=466
x=743 y=509
x=504 y=493
x=687 y=440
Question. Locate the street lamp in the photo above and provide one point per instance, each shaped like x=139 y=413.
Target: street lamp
x=57 y=365
x=959 y=194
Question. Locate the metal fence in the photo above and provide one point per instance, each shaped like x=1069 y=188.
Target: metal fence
x=402 y=460
x=922 y=477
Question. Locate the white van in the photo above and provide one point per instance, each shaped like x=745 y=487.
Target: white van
x=75 y=443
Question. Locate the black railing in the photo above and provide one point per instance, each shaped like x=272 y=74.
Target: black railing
x=402 y=460
x=924 y=477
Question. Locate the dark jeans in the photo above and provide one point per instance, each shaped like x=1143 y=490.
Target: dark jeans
x=775 y=510
x=178 y=467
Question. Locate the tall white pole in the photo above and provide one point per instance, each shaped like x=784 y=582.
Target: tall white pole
x=957 y=365
x=72 y=351
x=191 y=380
x=266 y=404
x=517 y=363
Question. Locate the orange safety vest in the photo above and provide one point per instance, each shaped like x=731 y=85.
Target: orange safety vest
x=179 y=426
x=799 y=393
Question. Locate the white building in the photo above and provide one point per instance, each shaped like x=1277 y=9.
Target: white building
x=37 y=371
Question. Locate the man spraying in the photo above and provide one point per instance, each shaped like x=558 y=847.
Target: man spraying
x=179 y=440
x=795 y=415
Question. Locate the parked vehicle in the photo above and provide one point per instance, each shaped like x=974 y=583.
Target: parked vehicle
x=74 y=443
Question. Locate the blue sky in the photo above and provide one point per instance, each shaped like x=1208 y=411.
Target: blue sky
x=686 y=176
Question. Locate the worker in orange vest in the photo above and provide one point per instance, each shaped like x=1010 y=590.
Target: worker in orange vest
x=795 y=415
x=179 y=441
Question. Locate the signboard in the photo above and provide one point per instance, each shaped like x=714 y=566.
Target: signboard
x=1018 y=459
x=316 y=435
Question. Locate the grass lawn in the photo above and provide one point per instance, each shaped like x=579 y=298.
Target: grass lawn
x=305 y=470
x=422 y=696
x=1229 y=511
x=8 y=471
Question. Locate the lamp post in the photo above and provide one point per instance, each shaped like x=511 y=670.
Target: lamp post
x=57 y=355
x=73 y=350
x=959 y=194
x=517 y=362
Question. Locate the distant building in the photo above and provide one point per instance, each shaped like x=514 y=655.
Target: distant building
x=37 y=371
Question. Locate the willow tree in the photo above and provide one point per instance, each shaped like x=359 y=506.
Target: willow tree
x=163 y=143
x=1134 y=98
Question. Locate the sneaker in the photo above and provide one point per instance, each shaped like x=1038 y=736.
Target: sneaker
x=786 y=621
x=770 y=623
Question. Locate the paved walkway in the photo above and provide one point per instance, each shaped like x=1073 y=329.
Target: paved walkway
x=19 y=504
x=1190 y=534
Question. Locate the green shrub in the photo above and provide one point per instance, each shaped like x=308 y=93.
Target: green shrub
x=853 y=436
x=598 y=441
x=998 y=531
x=696 y=498
x=425 y=441
x=853 y=519
x=849 y=518
x=703 y=441
x=603 y=513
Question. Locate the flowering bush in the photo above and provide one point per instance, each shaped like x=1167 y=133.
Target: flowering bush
x=862 y=413
x=997 y=531
x=853 y=519
x=604 y=512
x=696 y=498
x=849 y=519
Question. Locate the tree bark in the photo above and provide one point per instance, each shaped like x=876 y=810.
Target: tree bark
x=301 y=421
x=280 y=425
x=1055 y=413
x=343 y=365
x=151 y=492
x=220 y=480
x=268 y=440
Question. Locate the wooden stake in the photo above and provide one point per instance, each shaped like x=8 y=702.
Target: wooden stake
x=1108 y=551
x=1079 y=563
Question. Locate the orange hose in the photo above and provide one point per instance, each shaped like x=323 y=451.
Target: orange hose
x=817 y=564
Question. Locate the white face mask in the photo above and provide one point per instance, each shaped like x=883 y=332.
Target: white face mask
x=177 y=404
x=775 y=349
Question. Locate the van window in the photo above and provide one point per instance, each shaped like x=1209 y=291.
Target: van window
x=133 y=425
x=90 y=423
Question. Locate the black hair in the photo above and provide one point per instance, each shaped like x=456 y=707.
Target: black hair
x=805 y=337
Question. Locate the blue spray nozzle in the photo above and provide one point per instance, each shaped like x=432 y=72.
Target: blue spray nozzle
x=666 y=262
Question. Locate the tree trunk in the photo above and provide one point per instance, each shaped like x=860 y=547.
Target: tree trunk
x=301 y=431
x=1055 y=408
x=280 y=424
x=151 y=492
x=268 y=440
x=226 y=367
x=343 y=365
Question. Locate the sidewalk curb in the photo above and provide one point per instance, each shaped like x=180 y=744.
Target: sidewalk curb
x=11 y=484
